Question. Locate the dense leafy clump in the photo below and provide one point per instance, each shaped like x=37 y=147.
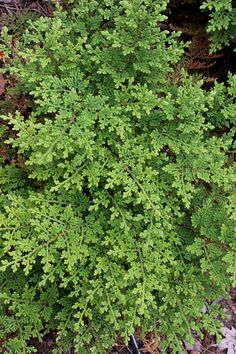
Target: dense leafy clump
x=222 y=22
x=121 y=213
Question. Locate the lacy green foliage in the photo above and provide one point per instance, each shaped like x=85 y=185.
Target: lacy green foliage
x=124 y=212
x=222 y=23
x=18 y=22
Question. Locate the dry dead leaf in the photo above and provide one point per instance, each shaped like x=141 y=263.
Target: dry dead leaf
x=229 y=342
x=196 y=347
x=2 y=83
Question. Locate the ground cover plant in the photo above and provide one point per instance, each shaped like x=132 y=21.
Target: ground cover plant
x=222 y=22
x=120 y=211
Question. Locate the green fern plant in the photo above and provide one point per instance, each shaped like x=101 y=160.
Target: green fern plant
x=222 y=23
x=122 y=215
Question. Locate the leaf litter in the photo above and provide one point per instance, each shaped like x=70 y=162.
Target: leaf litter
x=2 y=84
